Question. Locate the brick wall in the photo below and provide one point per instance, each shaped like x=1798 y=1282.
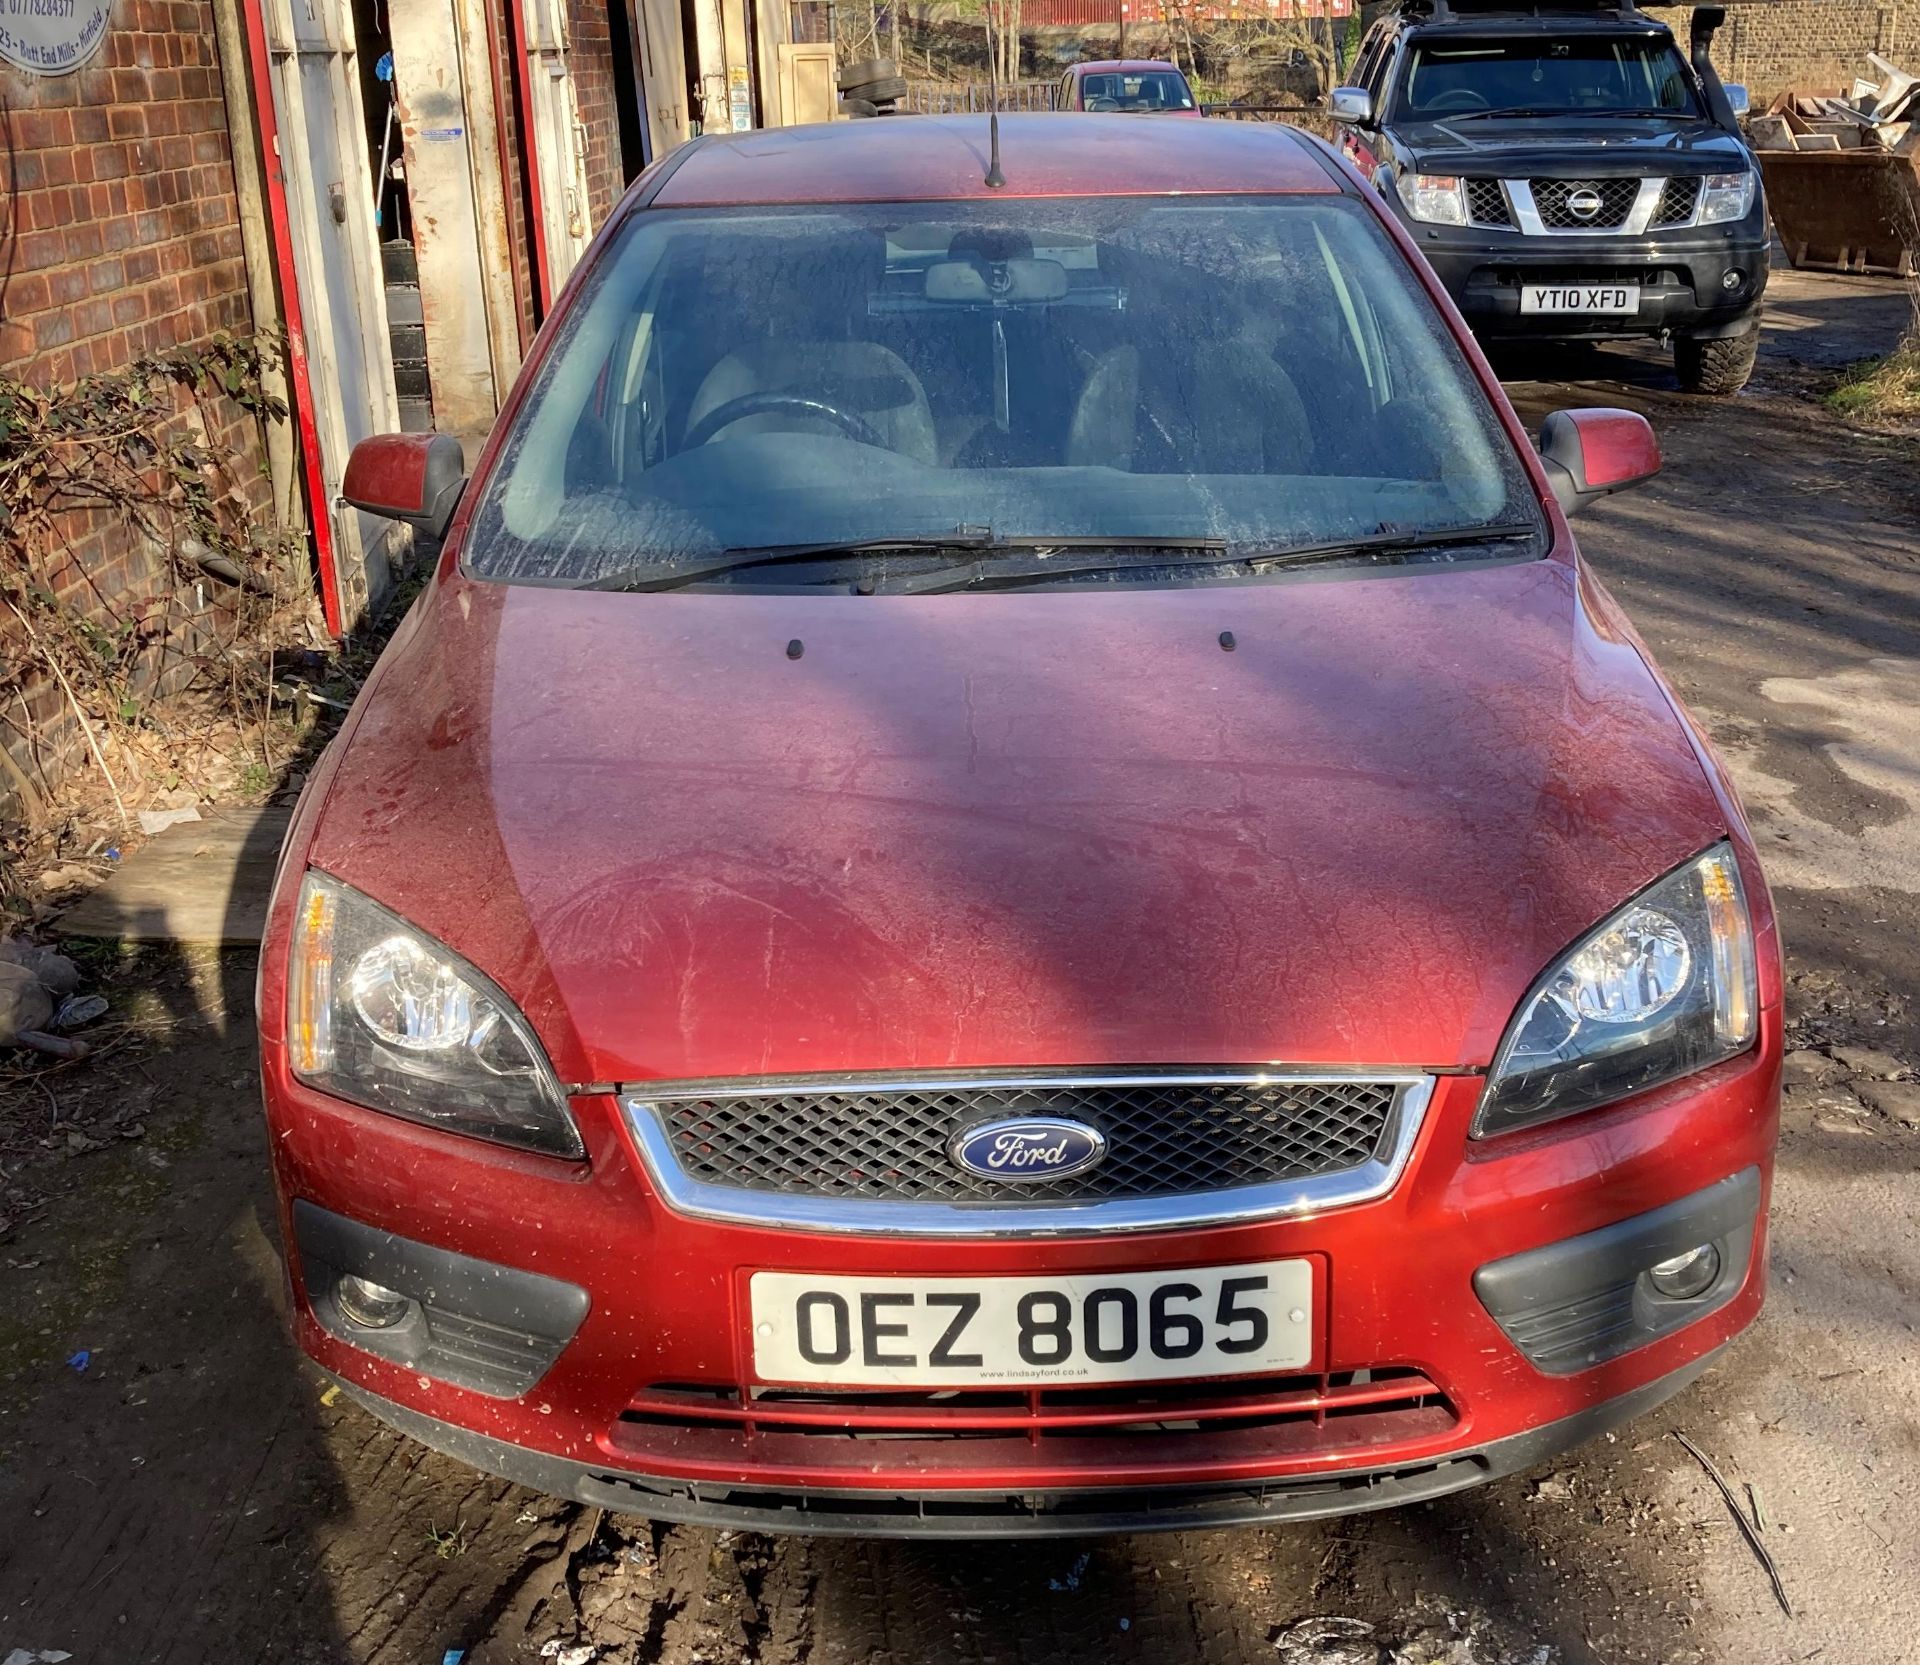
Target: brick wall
x=591 y=56
x=119 y=236
x=1822 y=44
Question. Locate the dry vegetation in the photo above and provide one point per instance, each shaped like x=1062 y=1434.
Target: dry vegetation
x=1883 y=390
x=1887 y=390
x=1253 y=57
x=164 y=684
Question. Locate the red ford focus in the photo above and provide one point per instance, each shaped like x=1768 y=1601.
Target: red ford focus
x=1012 y=879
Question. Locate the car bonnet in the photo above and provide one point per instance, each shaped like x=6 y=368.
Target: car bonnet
x=1020 y=828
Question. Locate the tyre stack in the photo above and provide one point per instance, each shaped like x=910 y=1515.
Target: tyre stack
x=871 y=87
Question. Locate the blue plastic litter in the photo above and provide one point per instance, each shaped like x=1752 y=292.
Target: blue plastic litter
x=1074 y=1573
x=113 y=854
x=384 y=68
x=79 y=1362
x=453 y=1656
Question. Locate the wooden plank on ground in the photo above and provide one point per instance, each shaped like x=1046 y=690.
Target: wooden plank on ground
x=202 y=881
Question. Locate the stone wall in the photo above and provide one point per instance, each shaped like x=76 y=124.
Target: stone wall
x=1822 y=44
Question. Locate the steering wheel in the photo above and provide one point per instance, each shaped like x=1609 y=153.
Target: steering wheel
x=1103 y=104
x=1458 y=98
x=779 y=404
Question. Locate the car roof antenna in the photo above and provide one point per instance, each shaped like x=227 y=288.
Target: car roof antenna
x=995 y=179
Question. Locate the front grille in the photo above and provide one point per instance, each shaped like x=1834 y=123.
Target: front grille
x=1677 y=200
x=1487 y=203
x=722 y=1414
x=1164 y=1138
x=1551 y=197
x=1668 y=279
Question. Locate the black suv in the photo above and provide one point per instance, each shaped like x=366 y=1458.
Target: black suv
x=1569 y=173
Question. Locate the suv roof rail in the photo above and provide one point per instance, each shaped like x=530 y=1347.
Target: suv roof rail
x=1445 y=11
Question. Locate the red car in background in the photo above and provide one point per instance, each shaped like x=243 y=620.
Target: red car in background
x=1012 y=878
x=1132 y=86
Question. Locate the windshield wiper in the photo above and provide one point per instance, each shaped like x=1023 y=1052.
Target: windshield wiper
x=669 y=575
x=1517 y=112
x=1257 y=558
x=1523 y=111
x=954 y=548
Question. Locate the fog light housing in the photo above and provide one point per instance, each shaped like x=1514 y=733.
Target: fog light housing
x=1732 y=278
x=1687 y=1276
x=371 y=1305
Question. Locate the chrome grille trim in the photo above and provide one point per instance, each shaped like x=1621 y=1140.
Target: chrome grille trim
x=1487 y=205
x=1526 y=212
x=1680 y=200
x=699 y=1199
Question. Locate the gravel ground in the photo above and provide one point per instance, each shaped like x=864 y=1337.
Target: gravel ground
x=192 y=1494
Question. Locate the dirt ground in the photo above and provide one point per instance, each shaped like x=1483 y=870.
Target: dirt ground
x=187 y=1492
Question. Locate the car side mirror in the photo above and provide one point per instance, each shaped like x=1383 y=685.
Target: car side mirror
x=1590 y=454
x=1351 y=104
x=414 y=478
x=1739 y=100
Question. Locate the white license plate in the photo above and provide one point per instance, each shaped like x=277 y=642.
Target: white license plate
x=1580 y=297
x=985 y=1331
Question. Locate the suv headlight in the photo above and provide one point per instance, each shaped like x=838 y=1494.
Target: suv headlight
x=1665 y=987
x=380 y=1013
x=1437 y=198
x=1726 y=196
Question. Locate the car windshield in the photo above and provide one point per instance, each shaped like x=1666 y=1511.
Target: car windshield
x=1597 y=73
x=1248 y=373
x=1152 y=90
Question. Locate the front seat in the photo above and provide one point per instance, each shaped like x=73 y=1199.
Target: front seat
x=1101 y=432
x=861 y=378
x=1231 y=407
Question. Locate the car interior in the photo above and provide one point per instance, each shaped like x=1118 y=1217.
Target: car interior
x=984 y=347
x=753 y=378
x=1152 y=90
x=1458 y=78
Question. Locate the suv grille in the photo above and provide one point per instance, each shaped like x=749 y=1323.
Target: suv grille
x=1487 y=203
x=1164 y=1138
x=1677 y=200
x=1552 y=196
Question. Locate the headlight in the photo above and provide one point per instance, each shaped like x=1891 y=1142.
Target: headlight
x=1438 y=198
x=1727 y=196
x=1665 y=987
x=380 y=1013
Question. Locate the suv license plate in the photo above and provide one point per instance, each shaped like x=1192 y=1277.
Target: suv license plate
x=985 y=1332
x=1580 y=297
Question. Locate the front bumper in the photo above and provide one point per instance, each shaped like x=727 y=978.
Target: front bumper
x=1076 y=1514
x=1682 y=277
x=665 y=1296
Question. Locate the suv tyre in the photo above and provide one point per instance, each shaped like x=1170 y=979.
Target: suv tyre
x=1717 y=368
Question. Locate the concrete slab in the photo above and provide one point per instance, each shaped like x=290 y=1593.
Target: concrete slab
x=203 y=881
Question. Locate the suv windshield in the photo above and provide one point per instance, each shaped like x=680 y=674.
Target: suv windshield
x=1154 y=90
x=1586 y=74
x=1235 y=373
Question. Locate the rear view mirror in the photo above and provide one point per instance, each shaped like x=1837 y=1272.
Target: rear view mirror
x=415 y=478
x=1004 y=283
x=1351 y=104
x=1739 y=100
x=1590 y=454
